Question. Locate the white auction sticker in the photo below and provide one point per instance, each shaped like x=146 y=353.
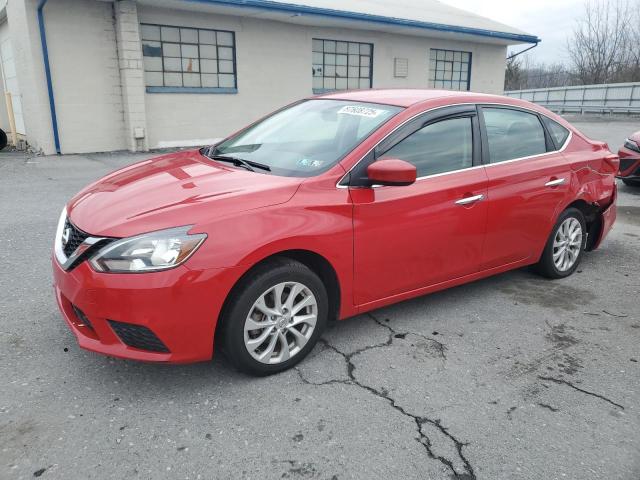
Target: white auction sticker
x=360 y=111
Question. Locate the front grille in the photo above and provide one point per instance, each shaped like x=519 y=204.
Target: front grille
x=138 y=336
x=82 y=317
x=75 y=238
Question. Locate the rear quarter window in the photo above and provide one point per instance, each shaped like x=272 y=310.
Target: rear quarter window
x=557 y=132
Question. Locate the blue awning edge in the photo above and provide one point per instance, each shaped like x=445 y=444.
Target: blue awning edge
x=366 y=17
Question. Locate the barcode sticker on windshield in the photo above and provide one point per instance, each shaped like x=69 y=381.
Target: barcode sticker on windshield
x=360 y=111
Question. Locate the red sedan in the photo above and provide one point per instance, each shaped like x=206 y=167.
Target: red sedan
x=630 y=161
x=325 y=209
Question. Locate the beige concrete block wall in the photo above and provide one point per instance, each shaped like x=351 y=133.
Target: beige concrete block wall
x=4 y=117
x=274 y=68
x=266 y=80
x=84 y=70
x=99 y=91
x=131 y=74
x=86 y=75
x=25 y=38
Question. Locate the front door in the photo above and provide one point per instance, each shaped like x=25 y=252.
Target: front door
x=409 y=237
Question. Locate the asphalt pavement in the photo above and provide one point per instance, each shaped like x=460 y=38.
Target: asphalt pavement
x=511 y=377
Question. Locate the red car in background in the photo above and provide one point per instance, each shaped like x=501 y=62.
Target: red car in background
x=328 y=208
x=630 y=161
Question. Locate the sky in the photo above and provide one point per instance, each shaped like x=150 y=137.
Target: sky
x=551 y=20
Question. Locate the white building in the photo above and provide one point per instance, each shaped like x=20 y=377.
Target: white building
x=92 y=75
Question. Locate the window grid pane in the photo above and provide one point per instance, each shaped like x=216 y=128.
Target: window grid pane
x=450 y=69
x=188 y=57
x=338 y=65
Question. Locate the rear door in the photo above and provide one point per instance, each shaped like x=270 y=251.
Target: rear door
x=408 y=237
x=528 y=180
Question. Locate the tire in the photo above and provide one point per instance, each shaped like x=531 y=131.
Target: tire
x=631 y=182
x=285 y=276
x=556 y=268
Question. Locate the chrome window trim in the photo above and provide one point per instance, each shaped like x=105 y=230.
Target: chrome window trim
x=515 y=107
x=64 y=261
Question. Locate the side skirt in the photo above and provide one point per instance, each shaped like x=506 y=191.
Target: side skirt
x=442 y=286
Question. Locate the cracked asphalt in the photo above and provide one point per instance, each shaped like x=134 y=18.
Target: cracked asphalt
x=512 y=377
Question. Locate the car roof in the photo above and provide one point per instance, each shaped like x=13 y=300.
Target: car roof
x=406 y=97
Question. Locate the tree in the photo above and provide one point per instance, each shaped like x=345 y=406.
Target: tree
x=601 y=43
x=603 y=48
x=514 y=74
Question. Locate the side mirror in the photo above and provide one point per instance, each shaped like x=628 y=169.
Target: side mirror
x=391 y=171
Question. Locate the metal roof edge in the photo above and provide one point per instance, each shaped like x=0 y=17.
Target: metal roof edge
x=366 y=17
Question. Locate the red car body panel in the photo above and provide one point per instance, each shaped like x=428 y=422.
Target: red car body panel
x=184 y=186
x=385 y=244
x=396 y=248
x=170 y=303
x=630 y=160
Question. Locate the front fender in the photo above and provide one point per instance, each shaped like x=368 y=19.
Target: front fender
x=245 y=240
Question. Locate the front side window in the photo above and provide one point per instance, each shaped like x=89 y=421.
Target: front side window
x=179 y=57
x=450 y=69
x=307 y=138
x=439 y=147
x=513 y=134
x=339 y=65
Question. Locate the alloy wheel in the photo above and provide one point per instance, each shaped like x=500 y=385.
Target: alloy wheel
x=280 y=322
x=567 y=244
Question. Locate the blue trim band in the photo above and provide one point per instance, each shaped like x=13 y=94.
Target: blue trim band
x=322 y=91
x=191 y=90
x=367 y=17
x=47 y=71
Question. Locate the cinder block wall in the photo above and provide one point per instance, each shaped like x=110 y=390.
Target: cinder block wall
x=274 y=68
x=84 y=71
x=86 y=76
x=99 y=84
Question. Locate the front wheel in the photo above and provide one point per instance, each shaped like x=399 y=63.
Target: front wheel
x=275 y=317
x=565 y=246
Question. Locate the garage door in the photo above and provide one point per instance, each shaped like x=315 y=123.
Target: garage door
x=10 y=80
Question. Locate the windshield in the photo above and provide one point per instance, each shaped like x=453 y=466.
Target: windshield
x=307 y=138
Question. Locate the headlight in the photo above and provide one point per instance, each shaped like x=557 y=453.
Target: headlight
x=149 y=252
x=631 y=145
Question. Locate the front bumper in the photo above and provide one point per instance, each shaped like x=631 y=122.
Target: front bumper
x=629 y=164
x=180 y=306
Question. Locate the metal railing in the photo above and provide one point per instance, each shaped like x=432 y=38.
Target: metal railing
x=606 y=98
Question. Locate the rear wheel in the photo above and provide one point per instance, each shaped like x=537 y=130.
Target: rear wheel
x=565 y=246
x=274 y=317
x=631 y=182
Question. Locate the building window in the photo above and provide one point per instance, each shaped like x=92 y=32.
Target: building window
x=341 y=65
x=188 y=59
x=450 y=69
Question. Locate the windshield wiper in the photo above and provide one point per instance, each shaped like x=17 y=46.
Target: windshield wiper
x=241 y=162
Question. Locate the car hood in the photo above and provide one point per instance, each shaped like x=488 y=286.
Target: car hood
x=173 y=190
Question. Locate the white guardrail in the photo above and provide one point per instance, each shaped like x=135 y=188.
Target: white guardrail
x=606 y=98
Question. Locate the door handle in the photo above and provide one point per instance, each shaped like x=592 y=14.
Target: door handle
x=554 y=183
x=469 y=200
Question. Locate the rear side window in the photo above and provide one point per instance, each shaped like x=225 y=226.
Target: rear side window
x=513 y=134
x=439 y=147
x=557 y=131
